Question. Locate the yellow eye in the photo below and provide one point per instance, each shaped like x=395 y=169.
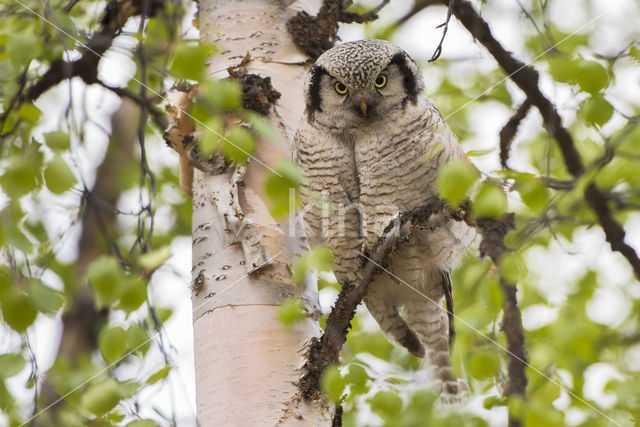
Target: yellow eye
x=381 y=81
x=341 y=88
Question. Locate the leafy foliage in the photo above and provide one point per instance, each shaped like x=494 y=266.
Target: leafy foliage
x=51 y=207
x=50 y=158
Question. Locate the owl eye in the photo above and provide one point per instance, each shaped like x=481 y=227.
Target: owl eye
x=381 y=81
x=341 y=88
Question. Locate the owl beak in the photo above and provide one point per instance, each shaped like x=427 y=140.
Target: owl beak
x=363 y=106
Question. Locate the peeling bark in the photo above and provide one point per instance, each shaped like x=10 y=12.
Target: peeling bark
x=241 y=255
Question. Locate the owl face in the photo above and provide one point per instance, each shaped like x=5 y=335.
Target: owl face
x=357 y=83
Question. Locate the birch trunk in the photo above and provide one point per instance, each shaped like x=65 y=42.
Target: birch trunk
x=246 y=363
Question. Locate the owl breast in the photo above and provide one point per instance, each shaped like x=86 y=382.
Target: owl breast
x=330 y=194
x=397 y=173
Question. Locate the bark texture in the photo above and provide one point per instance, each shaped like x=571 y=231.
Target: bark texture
x=247 y=364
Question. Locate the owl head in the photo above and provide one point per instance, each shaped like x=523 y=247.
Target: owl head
x=357 y=82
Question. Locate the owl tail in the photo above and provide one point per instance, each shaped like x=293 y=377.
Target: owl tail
x=392 y=324
x=430 y=323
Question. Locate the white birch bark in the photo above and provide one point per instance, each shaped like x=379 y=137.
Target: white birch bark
x=246 y=363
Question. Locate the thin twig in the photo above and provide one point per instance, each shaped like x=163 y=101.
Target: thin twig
x=372 y=15
x=159 y=117
x=445 y=24
x=86 y=67
x=325 y=350
x=509 y=131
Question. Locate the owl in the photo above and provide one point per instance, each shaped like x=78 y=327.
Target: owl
x=371 y=144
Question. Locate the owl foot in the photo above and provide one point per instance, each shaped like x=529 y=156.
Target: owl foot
x=452 y=392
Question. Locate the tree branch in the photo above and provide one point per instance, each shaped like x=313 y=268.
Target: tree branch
x=527 y=80
x=114 y=17
x=315 y=34
x=445 y=25
x=418 y=6
x=325 y=351
x=492 y=245
x=509 y=131
x=159 y=117
x=372 y=15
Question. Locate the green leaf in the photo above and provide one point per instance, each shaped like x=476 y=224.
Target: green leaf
x=281 y=186
x=212 y=137
x=18 y=178
x=221 y=95
x=493 y=401
x=112 y=343
x=189 y=59
x=58 y=176
x=490 y=202
x=156 y=258
x=142 y=423
x=513 y=267
x=16 y=310
x=163 y=314
x=57 y=140
x=533 y=193
x=133 y=293
x=386 y=404
x=290 y=312
x=455 y=180
x=484 y=364
x=375 y=343
x=101 y=398
x=43 y=298
x=617 y=171
x=138 y=341
x=23 y=46
x=592 y=77
x=261 y=125
x=158 y=375
x=128 y=388
x=563 y=69
x=5 y=280
x=239 y=144
x=29 y=112
x=64 y=24
x=106 y=278
x=11 y=364
x=332 y=384
x=319 y=258
x=596 y=110
x=480 y=153
x=543 y=414
x=357 y=379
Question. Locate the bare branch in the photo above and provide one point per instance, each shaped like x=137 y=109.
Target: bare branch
x=509 y=131
x=445 y=24
x=372 y=15
x=325 y=351
x=114 y=17
x=159 y=118
x=527 y=80
x=418 y=7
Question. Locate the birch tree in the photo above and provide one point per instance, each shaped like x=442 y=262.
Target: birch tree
x=241 y=251
x=542 y=96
